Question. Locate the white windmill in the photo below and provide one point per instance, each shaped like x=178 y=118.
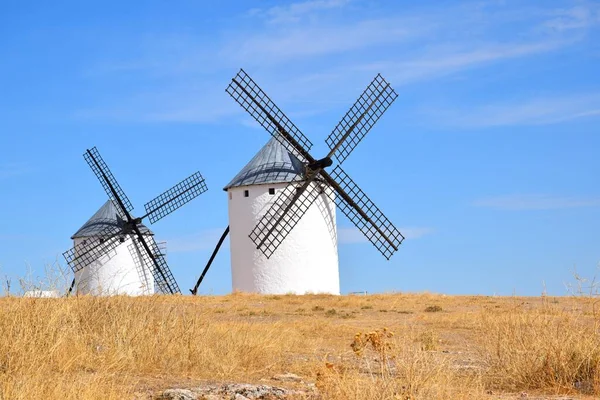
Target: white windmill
x=114 y=252
x=282 y=204
x=309 y=251
x=117 y=270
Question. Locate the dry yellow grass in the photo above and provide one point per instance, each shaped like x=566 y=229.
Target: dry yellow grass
x=392 y=346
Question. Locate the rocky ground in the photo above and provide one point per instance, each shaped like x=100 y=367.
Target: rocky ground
x=245 y=391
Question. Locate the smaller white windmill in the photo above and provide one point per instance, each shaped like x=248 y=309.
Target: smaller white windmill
x=282 y=204
x=115 y=253
x=118 y=270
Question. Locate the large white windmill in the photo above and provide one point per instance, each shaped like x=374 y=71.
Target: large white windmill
x=282 y=204
x=307 y=260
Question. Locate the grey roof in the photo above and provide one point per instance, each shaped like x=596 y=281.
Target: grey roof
x=272 y=164
x=107 y=216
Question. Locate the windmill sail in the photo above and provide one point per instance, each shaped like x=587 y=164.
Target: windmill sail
x=180 y=194
x=294 y=201
x=108 y=181
x=256 y=102
x=364 y=214
x=360 y=118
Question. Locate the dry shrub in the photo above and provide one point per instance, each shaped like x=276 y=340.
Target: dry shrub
x=548 y=349
x=388 y=366
x=429 y=340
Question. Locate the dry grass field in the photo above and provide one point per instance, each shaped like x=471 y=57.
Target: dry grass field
x=396 y=346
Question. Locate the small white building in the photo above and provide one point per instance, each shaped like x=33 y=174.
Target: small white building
x=42 y=293
x=120 y=271
x=307 y=260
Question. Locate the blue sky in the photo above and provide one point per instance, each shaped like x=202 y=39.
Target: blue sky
x=487 y=161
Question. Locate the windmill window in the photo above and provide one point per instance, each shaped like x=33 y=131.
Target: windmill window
x=230 y=195
x=271 y=191
x=246 y=194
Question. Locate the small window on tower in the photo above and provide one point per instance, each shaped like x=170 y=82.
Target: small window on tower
x=230 y=195
x=271 y=191
x=246 y=194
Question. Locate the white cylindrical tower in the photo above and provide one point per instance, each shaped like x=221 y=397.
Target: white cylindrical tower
x=306 y=261
x=120 y=271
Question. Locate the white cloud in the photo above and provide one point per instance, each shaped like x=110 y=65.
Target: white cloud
x=446 y=60
x=591 y=113
x=536 y=111
x=324 y=48
x=478 y=33
x=578 y=17
x=272 y=47
x=296 y=11
x=536 y=202
x=208 y=105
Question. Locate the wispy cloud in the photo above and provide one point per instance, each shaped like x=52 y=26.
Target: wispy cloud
x=204 y=240
x=537 y=111
x=206 y=105
x=442 y=61
x=536 y=202
x=272 y=47
x=11 y=170
x=295 y=12
x=351 y=235
x=494 y=33
x=327 y=46
x=578 y=17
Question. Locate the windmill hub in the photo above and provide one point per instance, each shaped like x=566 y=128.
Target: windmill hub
x=129 y=226
x=320 y=164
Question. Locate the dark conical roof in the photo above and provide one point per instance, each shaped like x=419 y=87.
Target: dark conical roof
x=107 y=215
x=272 y=164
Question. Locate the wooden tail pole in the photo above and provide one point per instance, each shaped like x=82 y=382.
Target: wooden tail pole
x=71 y=288
x=212 y=257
